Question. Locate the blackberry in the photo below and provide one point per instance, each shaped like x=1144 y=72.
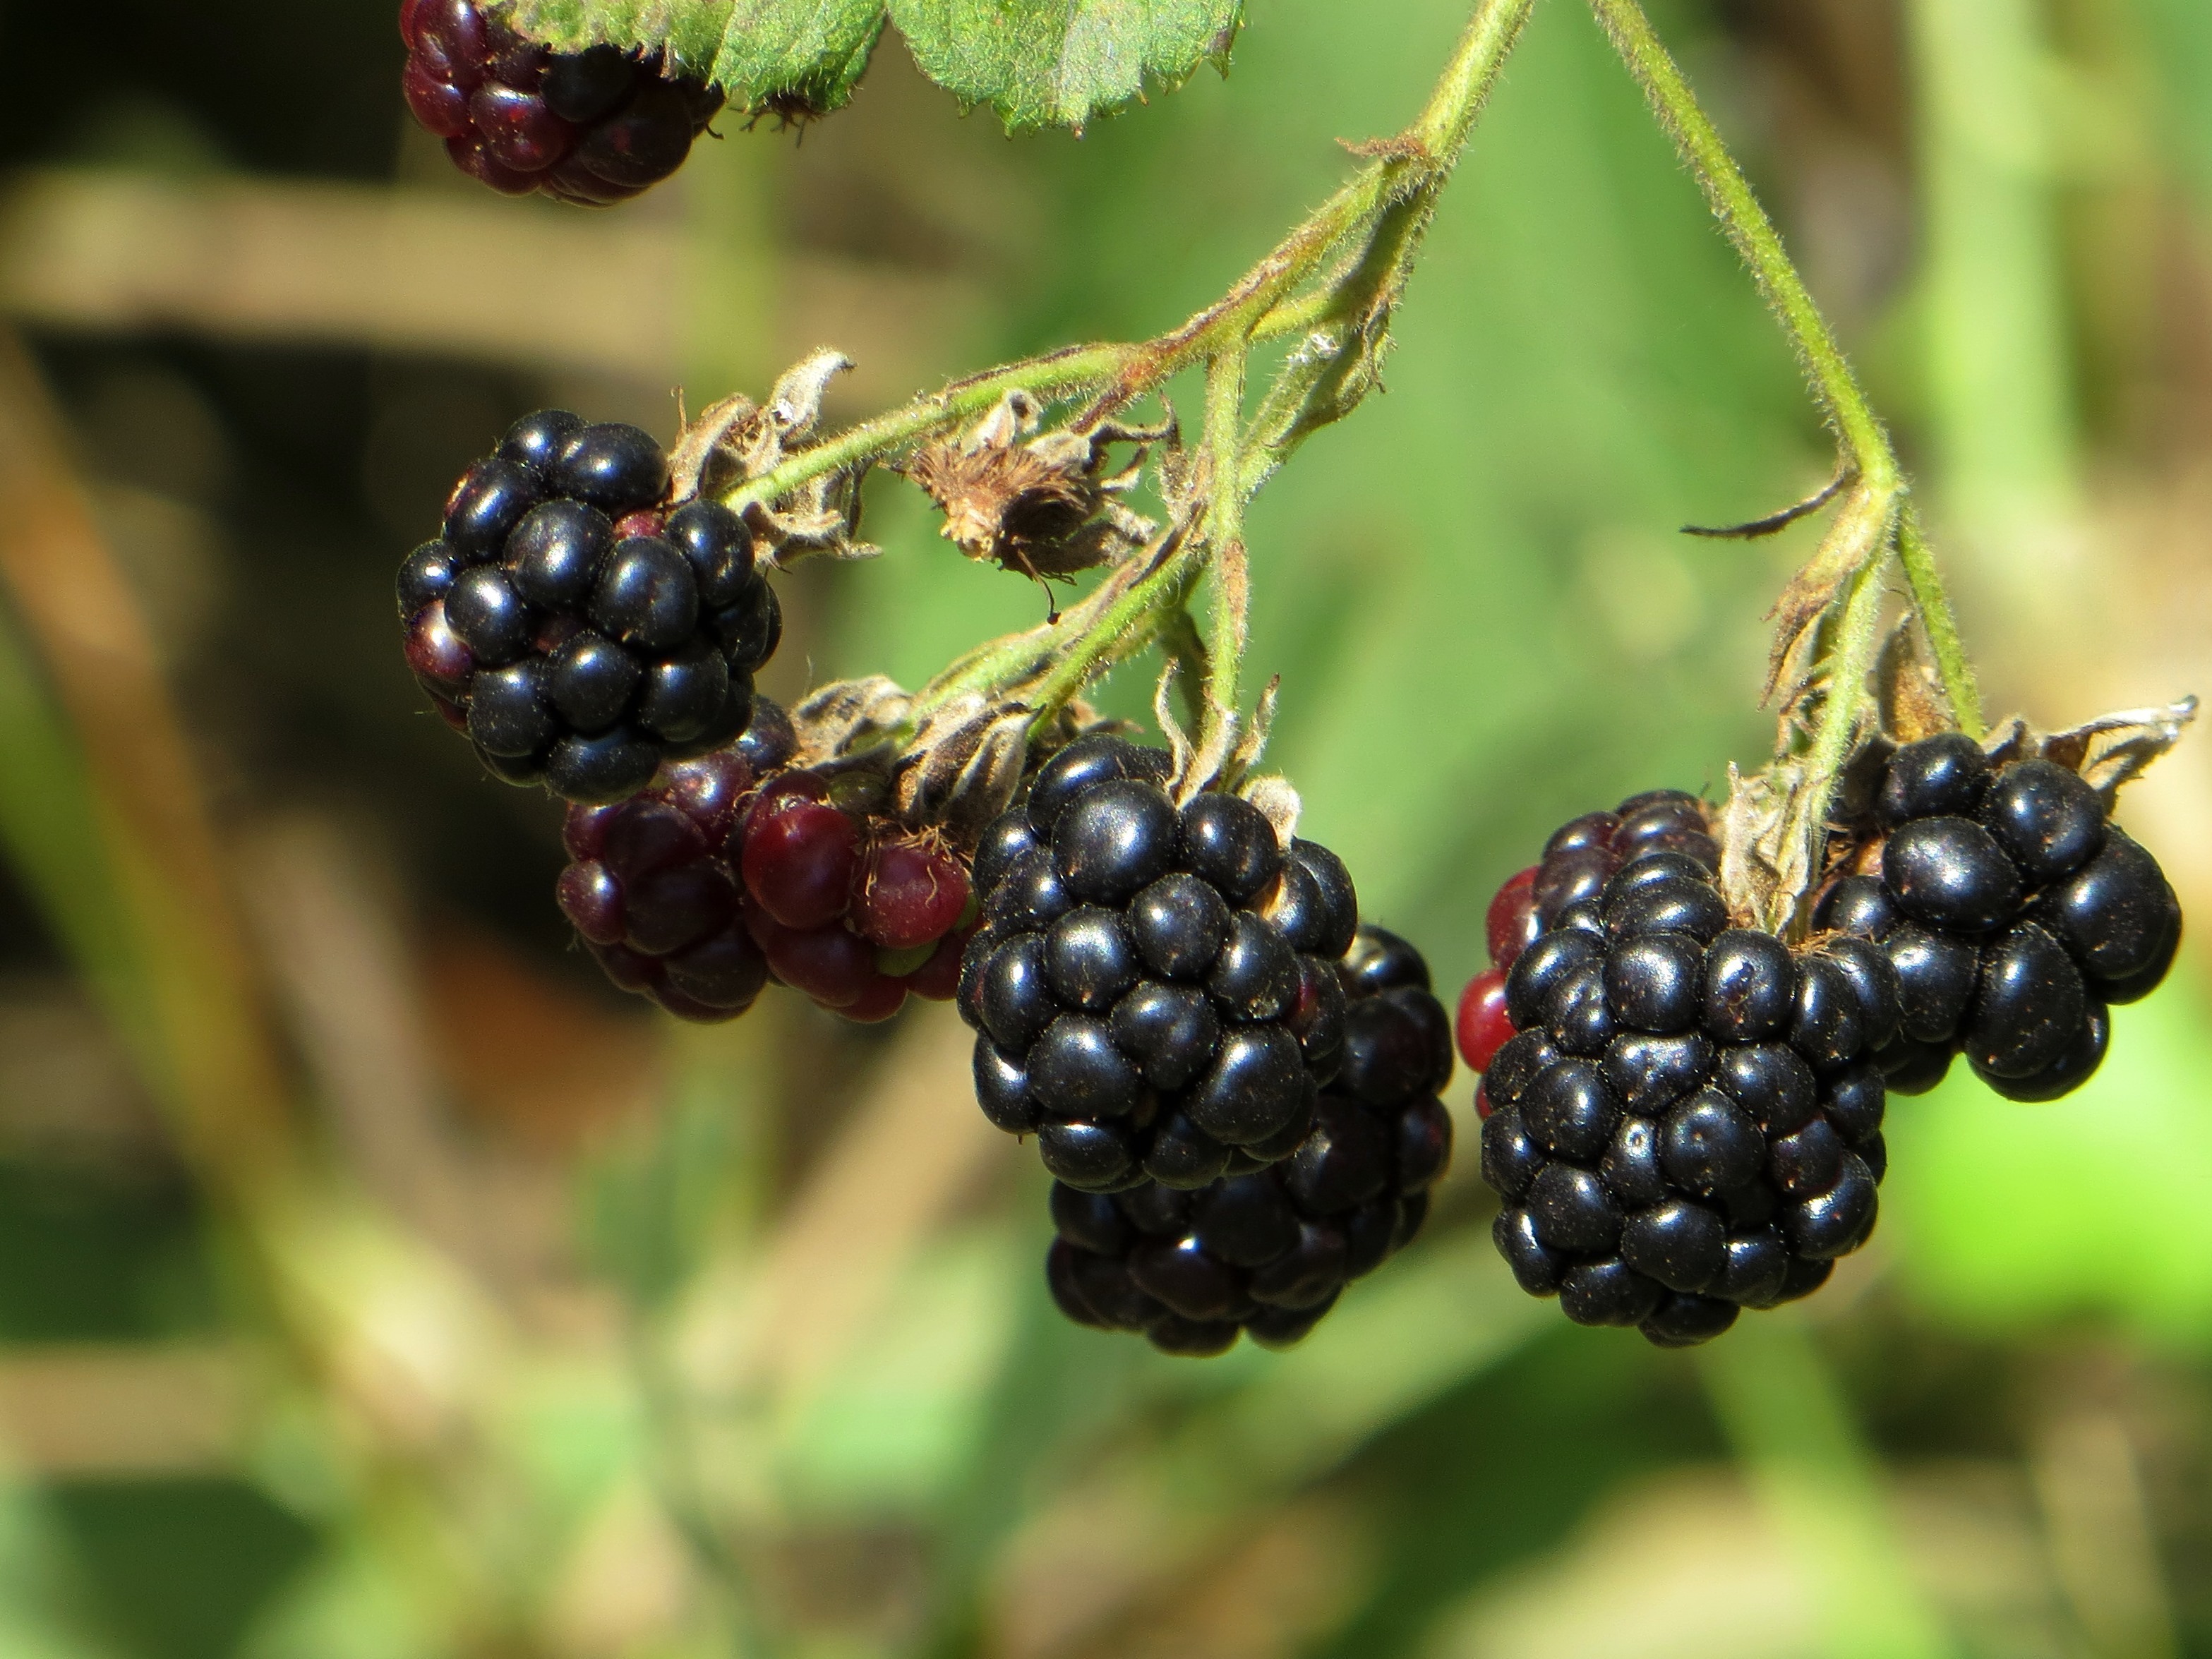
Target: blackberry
x=2014 y=912
x=590 y=128
x=701 y=889
x=651 y=893
x=1266 y=1253
x=1154 y=990
x=575 y=627
x=1680 y=1116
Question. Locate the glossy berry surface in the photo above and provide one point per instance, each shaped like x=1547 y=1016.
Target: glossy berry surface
x=1177 y=972
x=1262 y=1253
x=2013 y=914
x=589 y=128
x=1683 y=1120
x=561 y=599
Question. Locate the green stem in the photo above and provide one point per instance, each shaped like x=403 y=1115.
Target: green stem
x=1224 y=414
x=1357 y=250
x=1858 y=641
x=1918 y=560
x=1756 y=238
x=1881 y=489
x=1121 y=629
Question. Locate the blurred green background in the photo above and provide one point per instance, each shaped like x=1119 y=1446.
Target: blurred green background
x=376 y=1283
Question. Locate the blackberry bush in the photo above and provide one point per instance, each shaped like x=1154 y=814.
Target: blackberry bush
x=1268 y=1252
x=578 y=626
x=1693 y=1018
x=591 y=128
x=1153 y=987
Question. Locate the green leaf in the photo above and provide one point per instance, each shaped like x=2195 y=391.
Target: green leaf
x=1058 y=62
x=755 y=51
x=1038 y=63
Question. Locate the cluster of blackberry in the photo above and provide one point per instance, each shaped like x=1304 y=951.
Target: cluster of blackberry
x=736 y=868
x=592 y=128
x=1268 y=1252
x=1683 y=1118
x=2014 y=914
x=1155 y=989
x=578 y=629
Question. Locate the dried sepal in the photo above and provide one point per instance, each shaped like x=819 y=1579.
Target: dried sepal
x=2108 y=752
x=1907 y=687
x=1860 y=532
x=737 y=441
x=1181 y=753
x=1252 y=741
x=1774 y=835
x=1045 y=505
x=844 y=716
x=1278 y=802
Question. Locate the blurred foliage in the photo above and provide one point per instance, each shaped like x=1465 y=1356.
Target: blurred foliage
x=375 y=1282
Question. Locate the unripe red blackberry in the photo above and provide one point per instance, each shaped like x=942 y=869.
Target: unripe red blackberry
x=591 y=128
x=579 y=630
x=1267 y=1253
x=652 y=893
x=707 y=872
x=1153 y=989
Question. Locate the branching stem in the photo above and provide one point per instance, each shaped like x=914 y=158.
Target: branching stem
x=1333 y=281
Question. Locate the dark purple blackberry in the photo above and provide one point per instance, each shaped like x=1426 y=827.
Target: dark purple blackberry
x=2014 y=915
x=1266 y=1253
x=1687 y=1121
x=1154 y=990
x=579 y=631
x=652 y=893
x=591 y=128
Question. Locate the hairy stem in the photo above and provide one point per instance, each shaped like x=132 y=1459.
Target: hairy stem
x=1335 y=276
x=1934 y=605
x=1756 y=238
x=1224 y=533
x=1882 y=488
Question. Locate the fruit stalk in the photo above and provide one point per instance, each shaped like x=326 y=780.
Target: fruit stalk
x=1876 y=518
x=1865 y=442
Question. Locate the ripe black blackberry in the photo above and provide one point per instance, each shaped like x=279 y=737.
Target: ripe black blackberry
x=1154 y=988
x=1680 y=1116
x=2013 y=911
x=1268 y=1252
x=575 y=626
x=591 y=128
